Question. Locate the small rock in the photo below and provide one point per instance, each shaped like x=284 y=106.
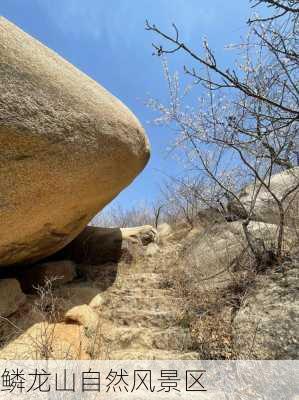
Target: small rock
x=83 y=315
x=11 y=297
x=145 y=234
x=97 y=301
x=60 y=272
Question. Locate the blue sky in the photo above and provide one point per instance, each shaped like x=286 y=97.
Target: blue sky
x=107 y=40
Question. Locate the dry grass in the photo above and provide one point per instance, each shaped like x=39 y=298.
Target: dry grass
x=208 y=314
x=209 y=307
x=51 y=338
x=98 y=347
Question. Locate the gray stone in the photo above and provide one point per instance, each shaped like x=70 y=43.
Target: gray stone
x=267 y=324
x=11 y=297
x=266 y=208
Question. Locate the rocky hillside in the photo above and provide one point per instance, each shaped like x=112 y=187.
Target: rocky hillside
x=175 y=299
x=113 y=311
x=227 y=288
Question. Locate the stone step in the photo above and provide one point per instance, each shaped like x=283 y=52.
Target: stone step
x=140 y=314
x=140 y=276
x=142 y=281
x=152 y=355
x=140 y=318
x=158 y=303
x=125 y=285
x=151 y=266
x=120 y=338
x=140 y=292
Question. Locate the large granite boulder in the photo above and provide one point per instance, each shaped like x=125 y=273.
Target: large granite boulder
x=67 y=148
x=266 y=208
x=209 y=254
x=85 y=248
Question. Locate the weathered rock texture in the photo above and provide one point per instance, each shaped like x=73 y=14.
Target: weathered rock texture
x=67 y=148
x=58 y=272
x=266 y=326
x=83 y=315
x=136 y=310
x=11 y=297
x=137 y=317
x=211 y=253
x=96 y=245
x=265 y=208
x=44 y=340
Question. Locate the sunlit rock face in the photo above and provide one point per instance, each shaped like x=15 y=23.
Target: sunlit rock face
x=67 y=148
x=284 y=187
